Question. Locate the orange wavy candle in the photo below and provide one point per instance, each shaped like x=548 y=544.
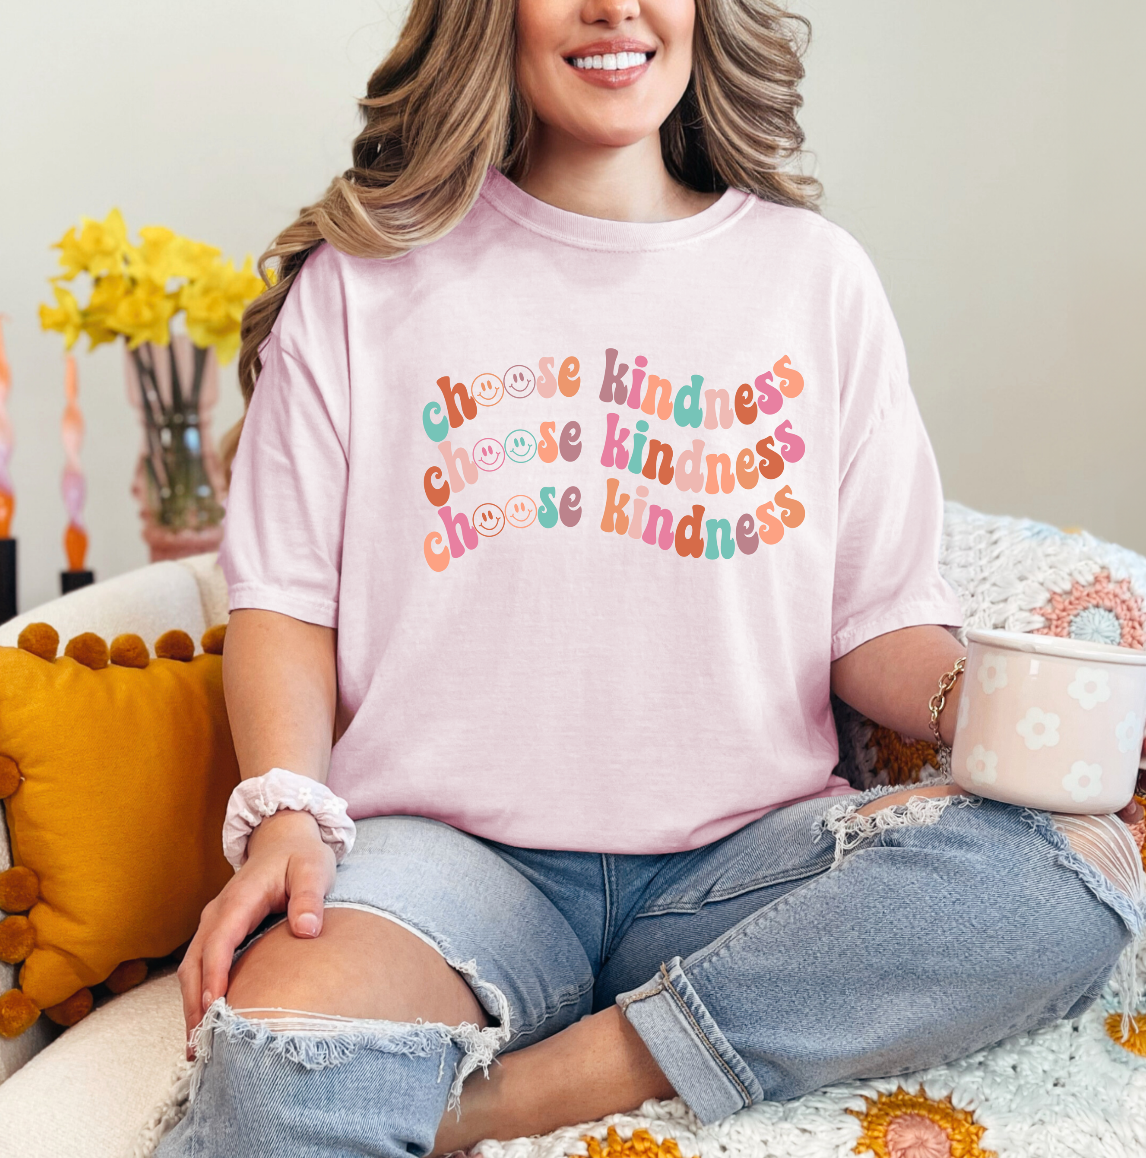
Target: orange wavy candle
x=7 y=492
x=73 y=485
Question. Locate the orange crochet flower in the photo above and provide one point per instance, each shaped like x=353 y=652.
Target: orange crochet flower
x=641 y=1145
x=903 y=1125
x=1103 y=612
x=1136 y=1041
x=902 y=759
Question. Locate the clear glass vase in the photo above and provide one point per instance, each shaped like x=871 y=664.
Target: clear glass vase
x=179 y=480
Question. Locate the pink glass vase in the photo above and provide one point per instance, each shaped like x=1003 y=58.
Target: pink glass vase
x=179 y=481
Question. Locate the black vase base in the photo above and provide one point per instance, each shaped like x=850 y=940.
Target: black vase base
x=73 y=580
x=7 y=579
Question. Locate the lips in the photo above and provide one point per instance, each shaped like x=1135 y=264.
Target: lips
x=611 y=63
x=614 y=45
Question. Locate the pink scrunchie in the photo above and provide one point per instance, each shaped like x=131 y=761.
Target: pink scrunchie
x=255 y=799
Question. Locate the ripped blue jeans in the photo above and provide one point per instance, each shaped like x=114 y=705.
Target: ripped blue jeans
x=814 y=945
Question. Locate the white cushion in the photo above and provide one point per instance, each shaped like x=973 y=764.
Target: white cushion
x=148 y=601
x=90 y=1093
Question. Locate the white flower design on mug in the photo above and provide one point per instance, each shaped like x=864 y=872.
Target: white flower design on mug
x=1128 y=732
x=993 y=672
x=1038 y=729
x=983 y=765
x=1091 y=687
x=1083 y=781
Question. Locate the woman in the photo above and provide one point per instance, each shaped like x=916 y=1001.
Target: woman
x=581 y=467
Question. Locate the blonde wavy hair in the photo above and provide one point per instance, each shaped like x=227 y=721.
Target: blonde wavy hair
x=443 y=107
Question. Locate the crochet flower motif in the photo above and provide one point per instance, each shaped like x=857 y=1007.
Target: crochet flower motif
x=1101 y=612
x=992 y=672
x=1128 y=732
x=983 y=765
x=903 y=1125
x=641 y=1145
x=1091 y=687
x=901 y=758
x=1135 y=1042
x=1038 y=729
x=1082 y=781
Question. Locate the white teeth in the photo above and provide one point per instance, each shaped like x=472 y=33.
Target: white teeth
x=611 y=61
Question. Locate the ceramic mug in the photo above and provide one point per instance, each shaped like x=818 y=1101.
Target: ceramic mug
x=1051 y=723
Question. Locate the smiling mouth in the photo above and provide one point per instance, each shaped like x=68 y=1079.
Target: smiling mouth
x=610 y=61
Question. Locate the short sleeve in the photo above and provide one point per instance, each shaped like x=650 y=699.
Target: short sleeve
x=890 y=523
x=282 y=543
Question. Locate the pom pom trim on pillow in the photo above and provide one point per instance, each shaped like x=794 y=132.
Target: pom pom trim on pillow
x=19 y=885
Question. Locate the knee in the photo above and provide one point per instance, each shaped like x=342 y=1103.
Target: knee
x=360 y=966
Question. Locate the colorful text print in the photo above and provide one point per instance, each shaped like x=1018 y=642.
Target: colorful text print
x=520 y=446
x=520 y=511
x=488 y=520
x=519 y=381
x=486 y=390
x=488 y=454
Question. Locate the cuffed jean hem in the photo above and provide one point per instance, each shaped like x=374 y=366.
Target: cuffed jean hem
x=688 y=1046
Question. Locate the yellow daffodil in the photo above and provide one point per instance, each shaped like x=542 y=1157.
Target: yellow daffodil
x=143 y=313
x=64 y=317
x=130 y=297
x=100 y=248
x=164 y=255
x=215 y=304
x=107 y=293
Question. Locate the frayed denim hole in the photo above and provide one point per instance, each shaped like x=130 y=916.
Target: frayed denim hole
x=851 y=828
x=320 y=1041
x=1130 y=907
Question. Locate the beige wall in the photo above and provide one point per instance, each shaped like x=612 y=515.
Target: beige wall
x=989 y=155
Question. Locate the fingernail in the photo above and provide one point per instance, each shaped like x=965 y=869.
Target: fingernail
x=306 y=925
x=207 y=999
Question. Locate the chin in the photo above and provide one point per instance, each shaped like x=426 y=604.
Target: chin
x=618 y=135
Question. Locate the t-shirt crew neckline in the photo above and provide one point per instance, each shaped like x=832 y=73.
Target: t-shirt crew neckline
x=600 y=233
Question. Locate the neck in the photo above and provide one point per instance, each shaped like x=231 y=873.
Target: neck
x=623 y=183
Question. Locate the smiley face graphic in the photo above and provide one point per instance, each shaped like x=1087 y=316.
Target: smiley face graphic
x=520 y=511
x=488 y=520
x=520 y=446
x=488 y=454
x=519 y=381
x=486 y=390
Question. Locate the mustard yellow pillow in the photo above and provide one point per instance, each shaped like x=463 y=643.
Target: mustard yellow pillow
x=116 y=769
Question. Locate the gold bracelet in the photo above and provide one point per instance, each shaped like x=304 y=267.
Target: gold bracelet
x=939 y=701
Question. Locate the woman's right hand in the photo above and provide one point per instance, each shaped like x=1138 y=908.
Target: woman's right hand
x=288 y=867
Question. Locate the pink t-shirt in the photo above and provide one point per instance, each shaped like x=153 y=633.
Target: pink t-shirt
x=593 y=506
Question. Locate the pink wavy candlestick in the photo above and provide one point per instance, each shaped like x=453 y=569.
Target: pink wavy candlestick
x=7 y=491
x=73 y=487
